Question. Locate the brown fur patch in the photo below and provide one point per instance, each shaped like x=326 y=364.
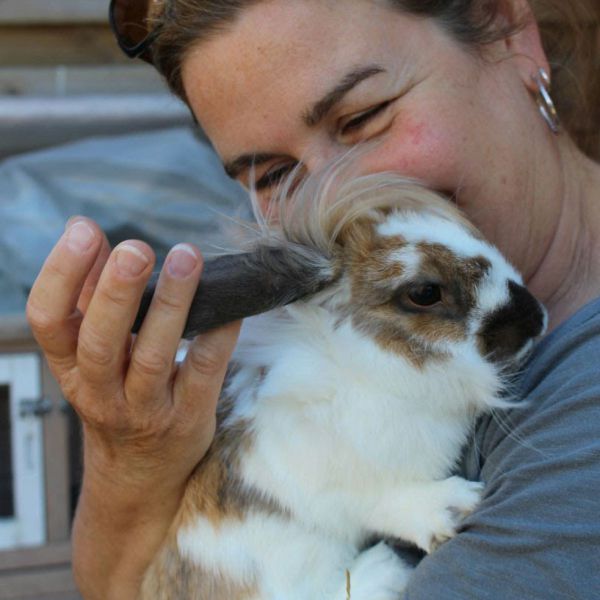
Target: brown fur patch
x=382 y=310
x=207 y=489
x=174 y=578
x=214 y=491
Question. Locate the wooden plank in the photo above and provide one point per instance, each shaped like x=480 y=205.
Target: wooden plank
x=56 y=462
x=60 y=596
x=37 y=585
x=28 y=123
x=14 y=346
x=53 y=11
x=86 y=11
x=42 y=46
x=73 y=80
x=42 y=573
x=31 y=558
x=14 y=329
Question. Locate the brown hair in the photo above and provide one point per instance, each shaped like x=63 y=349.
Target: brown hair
x=570 y=33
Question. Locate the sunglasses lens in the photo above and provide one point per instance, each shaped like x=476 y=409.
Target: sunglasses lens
x=130 y=20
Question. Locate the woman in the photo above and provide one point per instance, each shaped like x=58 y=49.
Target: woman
x=451 y=92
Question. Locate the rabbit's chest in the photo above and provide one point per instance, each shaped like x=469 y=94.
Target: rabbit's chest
x=330 y=467
x=376 y=444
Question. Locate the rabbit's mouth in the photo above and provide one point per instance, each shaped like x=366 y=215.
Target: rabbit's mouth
x=523 y=354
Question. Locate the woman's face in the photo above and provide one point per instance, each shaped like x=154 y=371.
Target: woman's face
x=305 y=80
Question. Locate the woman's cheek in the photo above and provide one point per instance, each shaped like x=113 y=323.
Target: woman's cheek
x=420 y=149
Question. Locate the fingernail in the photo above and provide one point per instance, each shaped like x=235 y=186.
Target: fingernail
x=130 y=261
x=80 y=236
x=182 y=260
x=72 y=221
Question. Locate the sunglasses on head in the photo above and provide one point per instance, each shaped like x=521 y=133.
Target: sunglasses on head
x=129 y=22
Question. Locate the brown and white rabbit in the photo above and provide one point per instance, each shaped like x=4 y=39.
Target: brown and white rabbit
x=346 y=412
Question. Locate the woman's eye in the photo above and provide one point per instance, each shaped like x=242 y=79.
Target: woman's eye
x=273 y=177
x=356 y=123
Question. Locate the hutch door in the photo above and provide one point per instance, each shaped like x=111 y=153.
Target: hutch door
x=22 y=518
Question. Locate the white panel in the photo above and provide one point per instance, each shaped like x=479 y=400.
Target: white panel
x=53 y=11
x=22 y=373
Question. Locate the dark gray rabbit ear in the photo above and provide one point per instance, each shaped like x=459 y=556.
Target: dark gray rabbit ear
x=241 y=285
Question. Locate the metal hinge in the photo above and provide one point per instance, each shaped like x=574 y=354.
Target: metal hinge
x=35 y=408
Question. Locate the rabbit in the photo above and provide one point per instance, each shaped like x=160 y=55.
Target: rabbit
x=345 y=412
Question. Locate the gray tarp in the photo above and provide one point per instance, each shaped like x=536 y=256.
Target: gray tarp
x=163 y=187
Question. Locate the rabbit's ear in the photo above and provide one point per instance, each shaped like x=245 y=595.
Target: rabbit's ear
x=241 y=285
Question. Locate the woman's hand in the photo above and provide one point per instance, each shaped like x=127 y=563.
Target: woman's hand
x=146 y=422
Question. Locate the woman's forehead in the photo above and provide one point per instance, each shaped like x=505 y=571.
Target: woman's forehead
x=281 y=56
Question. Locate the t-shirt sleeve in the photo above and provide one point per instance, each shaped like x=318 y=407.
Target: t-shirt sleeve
x=536 y=533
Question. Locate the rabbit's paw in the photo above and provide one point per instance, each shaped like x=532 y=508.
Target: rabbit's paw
x=446 y=505
x=377 y=574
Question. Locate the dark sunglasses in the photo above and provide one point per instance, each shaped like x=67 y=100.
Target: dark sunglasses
x=129 y=22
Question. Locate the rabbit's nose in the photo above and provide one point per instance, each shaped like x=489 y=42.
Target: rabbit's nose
x=511 y=327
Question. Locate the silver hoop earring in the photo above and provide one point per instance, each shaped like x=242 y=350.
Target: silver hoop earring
x=545 y=102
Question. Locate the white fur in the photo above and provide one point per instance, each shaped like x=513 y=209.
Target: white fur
x=351 y=440
x=424 y=227
x=410 y=258
x=363 y=421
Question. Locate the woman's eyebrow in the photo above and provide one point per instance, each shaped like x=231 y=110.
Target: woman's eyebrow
x=321 y=108
x=311 y=117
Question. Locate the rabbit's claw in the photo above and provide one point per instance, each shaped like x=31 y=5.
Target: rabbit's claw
x=449 y=502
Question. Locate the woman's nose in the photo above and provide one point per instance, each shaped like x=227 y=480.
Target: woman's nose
x=329 y=156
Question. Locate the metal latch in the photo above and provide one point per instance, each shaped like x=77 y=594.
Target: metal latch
x=35 y=408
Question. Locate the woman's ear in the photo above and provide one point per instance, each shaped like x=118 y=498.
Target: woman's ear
x=524 y=45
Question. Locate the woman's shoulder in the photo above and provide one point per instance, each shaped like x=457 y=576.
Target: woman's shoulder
x=570 y=352
x=559 y=393
x=536 y=528
x=540 y=462
x=558 y=408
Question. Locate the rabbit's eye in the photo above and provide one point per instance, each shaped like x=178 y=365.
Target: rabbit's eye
x=425 y=295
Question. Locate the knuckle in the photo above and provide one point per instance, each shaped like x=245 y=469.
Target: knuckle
x=155 y=425
x=150 y=362
x=41 y=321
x=90 y=415
x=169 y=301
x=57 y=269
x=201 y=427
x=71 y=391
x=118 y=296
x=94 y=349
x=205 y=359
x=89 y=405
x=97 y=419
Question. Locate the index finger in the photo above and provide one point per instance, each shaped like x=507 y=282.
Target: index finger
x=52 y=305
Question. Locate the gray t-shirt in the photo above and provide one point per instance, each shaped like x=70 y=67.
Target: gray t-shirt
x=536 y=534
